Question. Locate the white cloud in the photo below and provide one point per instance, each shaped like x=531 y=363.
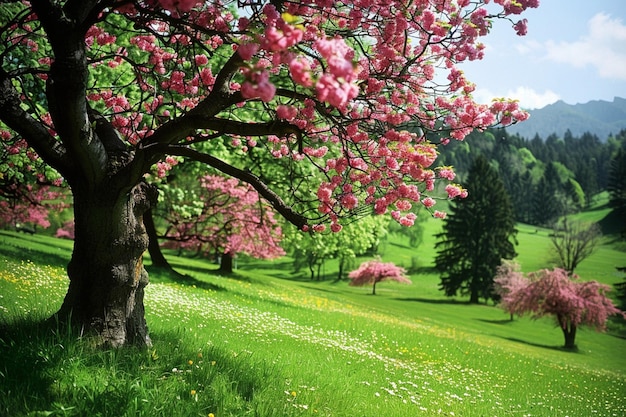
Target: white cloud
x=527 y=97
x=603 y=47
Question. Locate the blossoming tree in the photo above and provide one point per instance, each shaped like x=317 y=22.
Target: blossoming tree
x=555 y=293
x=507 y=281
x=104 y=91
x=374 y=271
x=27 y=192
x=222 y=218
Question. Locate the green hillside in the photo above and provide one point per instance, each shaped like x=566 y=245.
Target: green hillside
x=261 y=343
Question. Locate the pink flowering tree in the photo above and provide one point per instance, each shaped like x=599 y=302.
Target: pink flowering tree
x=104 y=92
x=221 y=218
x=28 y=192
x=571 y=302
x=507 y=282
x=374 y=271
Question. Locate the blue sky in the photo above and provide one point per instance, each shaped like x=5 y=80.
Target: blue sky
x=575 y=51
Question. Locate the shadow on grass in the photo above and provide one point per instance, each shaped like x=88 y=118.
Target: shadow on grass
x=45 y=371
x=399 y=245
x=539 y=345
x=426 y=270
x=163 y=275
x=435 y=301
x=32 y=249
x=27 y=359
x=499 y=322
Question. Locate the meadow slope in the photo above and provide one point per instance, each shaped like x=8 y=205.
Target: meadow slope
x=266 y=342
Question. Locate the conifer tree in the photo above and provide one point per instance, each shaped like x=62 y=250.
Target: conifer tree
x=478 y=233
x=617 y=181
x=617 y=188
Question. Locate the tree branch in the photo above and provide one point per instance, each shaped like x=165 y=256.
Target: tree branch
x=35 y=133
x=274 y=199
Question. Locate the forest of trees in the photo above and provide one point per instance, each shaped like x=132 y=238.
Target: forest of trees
x=545 y=177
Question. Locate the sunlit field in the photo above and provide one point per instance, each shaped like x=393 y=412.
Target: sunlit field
x=266 y=342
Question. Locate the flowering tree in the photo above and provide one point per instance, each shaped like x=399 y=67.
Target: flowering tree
x=375 y=271
x=571 y=302
x=222 y=218
x=507 y=281
x=105 y=91
x=28 y=191
x=25 y=206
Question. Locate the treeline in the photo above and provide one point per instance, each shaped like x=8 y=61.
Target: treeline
x=545 y=177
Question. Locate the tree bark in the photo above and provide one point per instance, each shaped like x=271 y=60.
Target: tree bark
x=570 y=337
x=226 y=263
x=107 y=277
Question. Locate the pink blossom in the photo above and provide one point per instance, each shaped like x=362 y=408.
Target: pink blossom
x=555 y=293
x=455 y=190
x=336 y=93
x=286 y=112
x=428 y=202
x=521 y=27
x=300 y=70
x=258 y=86
x=349 y=201
x=247 y=50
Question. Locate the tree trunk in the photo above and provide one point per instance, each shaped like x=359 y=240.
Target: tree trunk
x=570 y=337
x=226 y=263
x=107 y=277
x=374 y=288
x=342 y=261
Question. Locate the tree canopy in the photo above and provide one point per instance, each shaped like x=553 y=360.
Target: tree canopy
x=478 y=233
x=110 y=92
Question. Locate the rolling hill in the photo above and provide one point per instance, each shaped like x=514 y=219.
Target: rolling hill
x=601 y=118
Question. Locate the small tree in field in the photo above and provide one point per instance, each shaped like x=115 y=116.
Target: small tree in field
x=573 y=242
x=375 y=271
x=572 y=303
x=508 y=280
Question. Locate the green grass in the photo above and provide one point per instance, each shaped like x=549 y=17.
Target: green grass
x=261 y=343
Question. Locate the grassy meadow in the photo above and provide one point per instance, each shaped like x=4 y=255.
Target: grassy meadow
x=265 y=342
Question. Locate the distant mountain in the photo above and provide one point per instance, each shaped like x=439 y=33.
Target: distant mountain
x=597 y=117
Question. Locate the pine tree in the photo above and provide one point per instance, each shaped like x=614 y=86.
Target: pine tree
x=617 y=188
x=478 y=233
x=617 y=180
x=546 y=208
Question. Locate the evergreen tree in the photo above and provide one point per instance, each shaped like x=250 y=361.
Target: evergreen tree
x=476 y=236
x=617 y=181
x=545 y=207
x=617 y=188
